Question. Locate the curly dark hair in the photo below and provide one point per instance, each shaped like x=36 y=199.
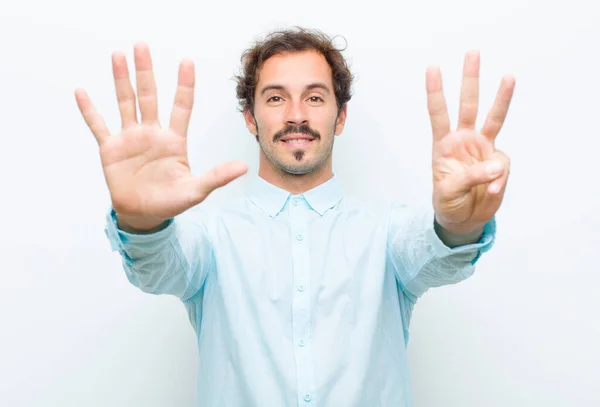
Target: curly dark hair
x=295 y=39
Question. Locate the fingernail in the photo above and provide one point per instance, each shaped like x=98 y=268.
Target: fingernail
x=494 y=168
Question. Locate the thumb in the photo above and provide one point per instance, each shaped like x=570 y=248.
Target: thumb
x=481 y=173
x=217 y=177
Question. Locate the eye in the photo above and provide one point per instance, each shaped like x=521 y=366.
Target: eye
x=315 y=99
x=274 y=99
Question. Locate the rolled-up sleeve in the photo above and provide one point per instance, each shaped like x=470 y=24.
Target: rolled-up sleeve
x=174 y=260
x=421 y=260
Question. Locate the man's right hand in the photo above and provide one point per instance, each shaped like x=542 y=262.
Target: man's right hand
x=145 y=166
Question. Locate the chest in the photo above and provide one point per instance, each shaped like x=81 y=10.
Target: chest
x=321 y=258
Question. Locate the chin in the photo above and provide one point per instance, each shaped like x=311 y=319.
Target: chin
x=306 y=167
x=296 y=169
x=299 y=171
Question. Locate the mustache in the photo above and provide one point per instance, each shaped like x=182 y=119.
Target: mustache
x=304 y=129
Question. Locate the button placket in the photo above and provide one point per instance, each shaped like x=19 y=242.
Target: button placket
x=301 y=300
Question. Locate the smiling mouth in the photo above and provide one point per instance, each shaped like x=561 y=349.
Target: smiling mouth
x=297 y=141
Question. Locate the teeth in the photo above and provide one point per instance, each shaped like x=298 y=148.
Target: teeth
x=297 y=141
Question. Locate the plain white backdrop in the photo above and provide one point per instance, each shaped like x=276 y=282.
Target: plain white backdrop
x=523 y=331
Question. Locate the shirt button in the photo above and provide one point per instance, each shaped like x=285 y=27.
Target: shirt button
x=300 y=288
x=296 y=202
x=307 y=397
x=301 y=342
x=299 y=237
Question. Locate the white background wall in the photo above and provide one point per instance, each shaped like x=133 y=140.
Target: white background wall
x=523 y=331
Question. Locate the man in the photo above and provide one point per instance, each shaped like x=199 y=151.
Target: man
x=298 y=294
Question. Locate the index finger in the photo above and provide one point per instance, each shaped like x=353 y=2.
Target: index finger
x=184 y=98
x=436 y=103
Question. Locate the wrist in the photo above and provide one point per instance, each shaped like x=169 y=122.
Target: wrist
x=458 y=234
x=140 y=225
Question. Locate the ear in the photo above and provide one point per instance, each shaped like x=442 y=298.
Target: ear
x=341 y=120
x=250 y=122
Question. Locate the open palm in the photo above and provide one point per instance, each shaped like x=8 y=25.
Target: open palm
x=469 y=173
x=145 y=166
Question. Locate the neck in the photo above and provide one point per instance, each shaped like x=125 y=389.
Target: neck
x=295 y=183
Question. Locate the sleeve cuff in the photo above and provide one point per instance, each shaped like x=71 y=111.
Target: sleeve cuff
x=484 y=244
x=119 y=238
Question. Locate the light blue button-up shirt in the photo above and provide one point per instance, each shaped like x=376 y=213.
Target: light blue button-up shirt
x=298 y=300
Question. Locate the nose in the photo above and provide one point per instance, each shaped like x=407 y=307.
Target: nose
x=296 y=114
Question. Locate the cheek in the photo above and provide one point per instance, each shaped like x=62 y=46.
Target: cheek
x=268 y=130
x=325 y=125
x=269 y=122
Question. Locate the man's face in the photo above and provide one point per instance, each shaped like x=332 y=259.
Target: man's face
x=295 y=112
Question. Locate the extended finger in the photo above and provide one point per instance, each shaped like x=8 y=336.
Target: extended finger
x=184 y=98
x=436 y=103
x=469 y=92
x=146 y=84
x=200 y=187
x=497 y=114
x=93 y=120
x=124 y=90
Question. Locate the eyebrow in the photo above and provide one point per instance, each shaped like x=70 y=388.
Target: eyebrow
x=315 y=85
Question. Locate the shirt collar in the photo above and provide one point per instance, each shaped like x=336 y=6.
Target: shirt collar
x=272 y=199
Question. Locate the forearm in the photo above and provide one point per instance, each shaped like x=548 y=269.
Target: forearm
x=171 y=260
x=425 y=255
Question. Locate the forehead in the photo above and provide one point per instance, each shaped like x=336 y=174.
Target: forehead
x=295 y=69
